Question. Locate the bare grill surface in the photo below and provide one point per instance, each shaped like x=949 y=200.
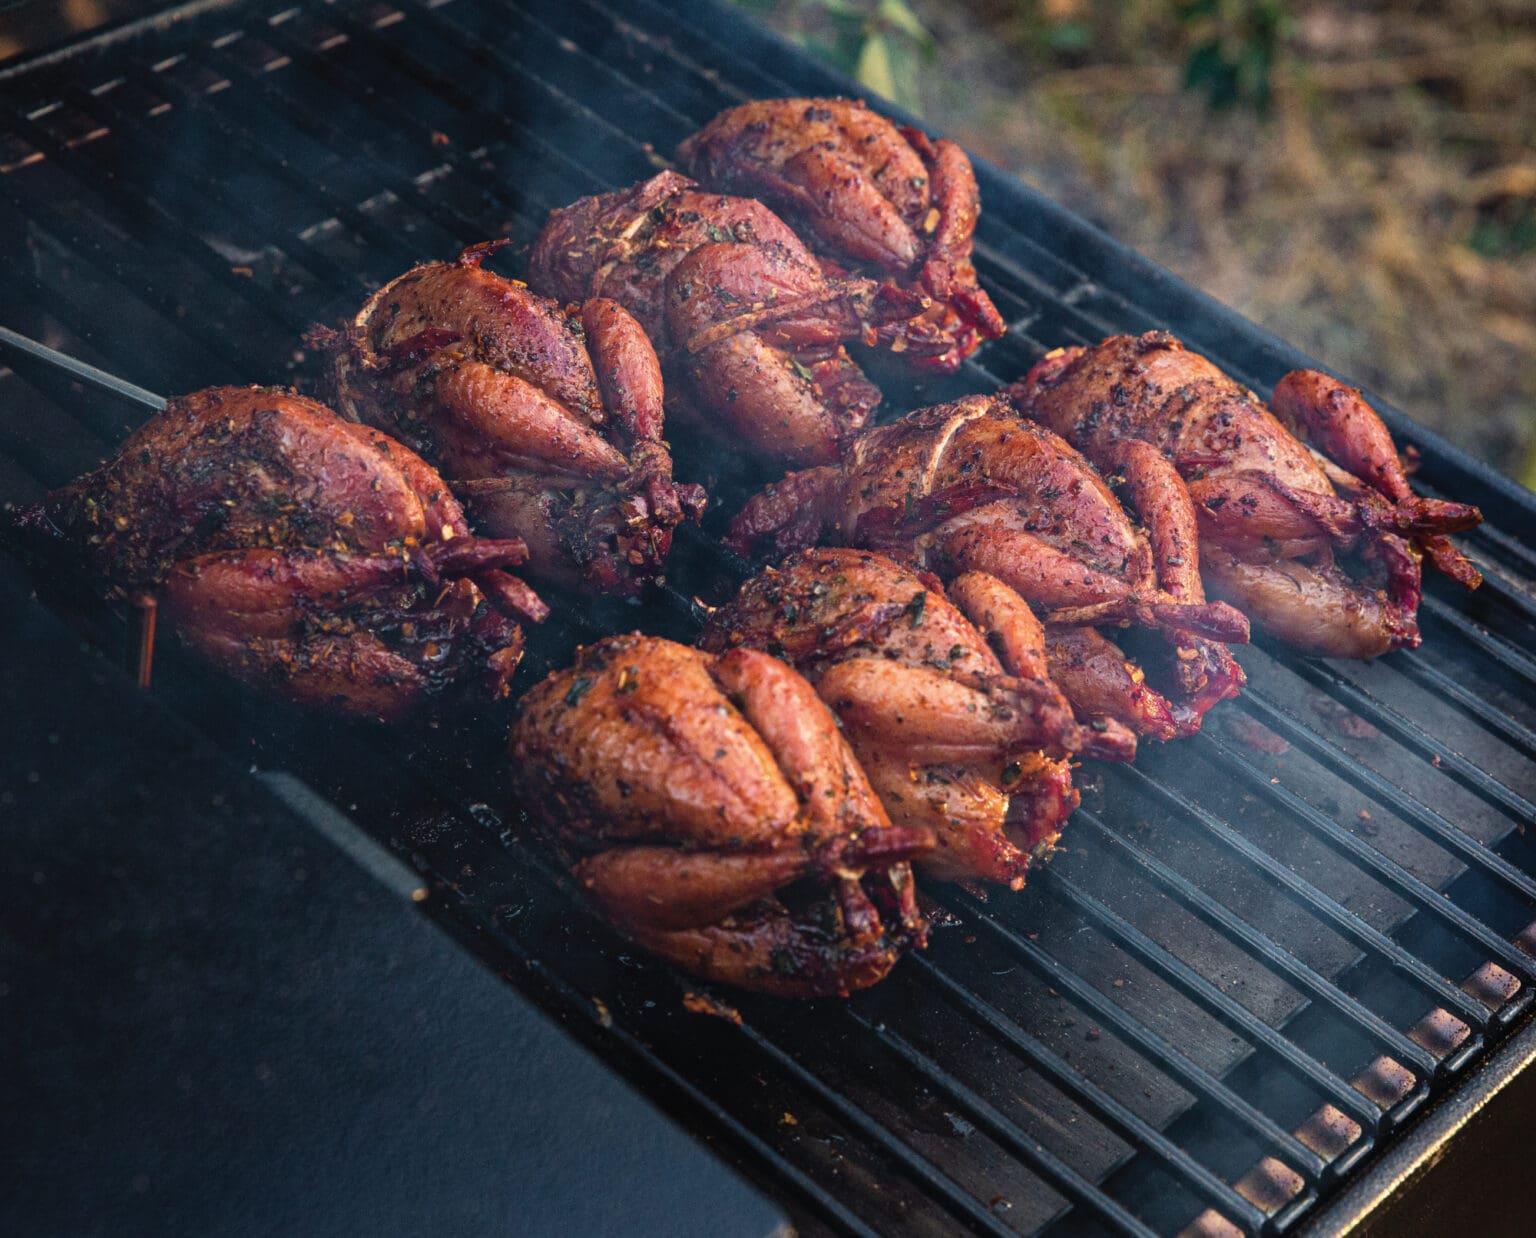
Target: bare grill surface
x=1262 y=949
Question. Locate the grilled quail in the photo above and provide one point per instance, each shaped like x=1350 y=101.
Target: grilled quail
x=715 y=815
x=299 y=552
x=749 y=327
x=1320 y=547
x=548 y=424
x=880 y=199
x=968 y=486
x=951 y=741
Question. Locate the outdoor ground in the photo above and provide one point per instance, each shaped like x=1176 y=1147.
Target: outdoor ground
x=1359 y=178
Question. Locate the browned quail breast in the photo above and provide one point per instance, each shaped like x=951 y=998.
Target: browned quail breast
x=750 y=327
x=548 y=424
x=715 y=815
x=959 y=737
x=299 y=552
x=969 y=487
x=879 y=198
x=1315 y=534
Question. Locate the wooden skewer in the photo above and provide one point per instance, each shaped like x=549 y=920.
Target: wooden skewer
x=142 y=613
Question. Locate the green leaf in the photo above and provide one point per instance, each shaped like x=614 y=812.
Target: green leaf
x=896 y=15
x=1207 y=70
x=829 y=52
x=907 y=73
x=874 y=67
x=1070 y=36
x=1528 y=473
x=1203 y=66
x=1253 y=73
x=847 y=33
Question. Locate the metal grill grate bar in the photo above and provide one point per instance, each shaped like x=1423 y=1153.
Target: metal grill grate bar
x=939 y=1185
x=1012 y=1136
x=1121 y=1119
x=312 y=185
x=1313 y=900
x=386 y=175
x=1201 y=990
x=571 y=113
x=1508 y=549
x=146 y=276
x=557 y=167
x=1133 y=1032
x=1391 y=874
x=1329 y=753
x=1261 y=947
x=144 y=140
x=1512 y=732
x=1500 y=651
x=158 y=83
x=1415 y=738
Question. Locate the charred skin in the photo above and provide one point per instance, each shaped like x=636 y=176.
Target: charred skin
x=969 y=487
x=298 y=552
x=955 y=737
x=548 y=424
x=714 y=814
x=878 y=199
x=1306 y=519
x=750 y=328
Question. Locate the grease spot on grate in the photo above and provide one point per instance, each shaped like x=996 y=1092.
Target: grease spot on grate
x=1441 y=1032
x=1211 y=1224
x=1328 y=1132
x=1491 y=985
x=1385 y=1082
x=1270 y=1185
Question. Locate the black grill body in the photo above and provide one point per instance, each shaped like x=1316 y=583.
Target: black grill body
x=1265 y=953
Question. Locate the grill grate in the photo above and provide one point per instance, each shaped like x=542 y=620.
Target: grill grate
x=1262 y=951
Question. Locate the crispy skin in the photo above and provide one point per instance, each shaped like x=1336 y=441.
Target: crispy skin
x=716 y=816
x=1101 y=682
x=300 y=552
x=1319 y=543
x=1338 y=421
x=749 y=326
x=944 y=731
x=877 y=198
x=885 y=197
x=969 y=487
x=623 y=245
x=549 y=424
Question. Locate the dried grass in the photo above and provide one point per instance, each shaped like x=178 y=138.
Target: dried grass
x=1382 y=216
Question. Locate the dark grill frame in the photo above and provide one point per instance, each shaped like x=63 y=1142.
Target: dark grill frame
x=1237 y=1110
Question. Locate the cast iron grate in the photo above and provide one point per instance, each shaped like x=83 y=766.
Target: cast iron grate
x=1262 y=950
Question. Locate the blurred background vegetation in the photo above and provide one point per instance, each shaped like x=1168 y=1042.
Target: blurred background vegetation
x=1359 y=178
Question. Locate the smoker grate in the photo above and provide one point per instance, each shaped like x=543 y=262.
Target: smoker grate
x=1263 y=949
